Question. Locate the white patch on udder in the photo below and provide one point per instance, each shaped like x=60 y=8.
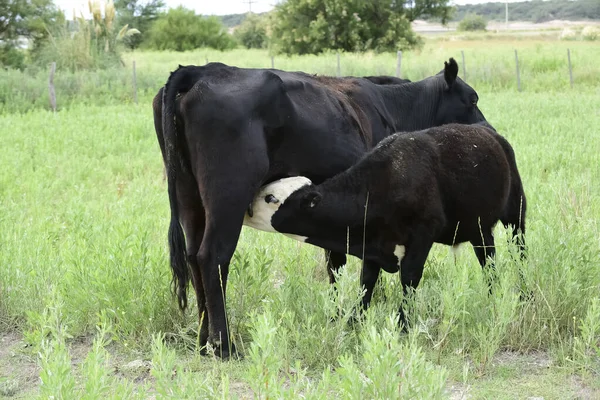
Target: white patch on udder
x=399 y=252
x=262 y=212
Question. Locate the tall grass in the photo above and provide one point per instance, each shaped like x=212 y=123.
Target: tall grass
x=543 y=68
x=83 y=218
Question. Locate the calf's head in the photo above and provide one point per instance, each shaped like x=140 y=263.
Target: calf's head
x=288 y=206
x=269 y=200
x=458 y=101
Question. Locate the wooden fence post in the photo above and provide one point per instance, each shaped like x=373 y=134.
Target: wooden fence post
x=51 y=91
x=272 y=62
x=134 y=84
x=339 y=68
x=570 y=69
x=518 y=73
x=462 y=53
x=398 y=63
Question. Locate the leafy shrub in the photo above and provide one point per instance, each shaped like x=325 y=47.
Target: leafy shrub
x=252 y=33
x=11 y=57
x=472 y=22
x=180 y=29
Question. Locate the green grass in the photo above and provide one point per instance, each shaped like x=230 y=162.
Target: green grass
x=84 y=276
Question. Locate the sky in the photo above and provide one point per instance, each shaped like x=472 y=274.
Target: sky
x=217 y=7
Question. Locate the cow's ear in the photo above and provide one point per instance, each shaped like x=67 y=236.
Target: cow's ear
x=450 y=72
x=311 y=199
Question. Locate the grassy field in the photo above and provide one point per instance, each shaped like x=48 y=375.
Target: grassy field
x=85 y=306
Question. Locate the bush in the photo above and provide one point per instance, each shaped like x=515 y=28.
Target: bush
x=11 y=57
x=472 y=22
x=252 y=33
x=568 y=34
x=590 y=33
x=181 y=29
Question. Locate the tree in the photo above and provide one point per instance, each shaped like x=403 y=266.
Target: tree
x=312 y=26
x=139 y=15
x=24 y=20
x=180 y=29
x=252 y=33
x=472 y=22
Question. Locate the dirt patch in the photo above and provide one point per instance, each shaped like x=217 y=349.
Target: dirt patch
x=531 y=376
x=528 y=363
x=19 y=372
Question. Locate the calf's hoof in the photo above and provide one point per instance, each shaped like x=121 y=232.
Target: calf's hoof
x=402 y=322
x=226 y=352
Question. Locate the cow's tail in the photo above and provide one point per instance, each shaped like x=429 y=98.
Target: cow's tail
x=516 y=206
x=177 y=244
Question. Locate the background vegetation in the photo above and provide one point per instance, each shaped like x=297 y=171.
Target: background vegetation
x=312 y=26
x=181 y=29
x=543 y=68
x=534 y=11
x=140 y=15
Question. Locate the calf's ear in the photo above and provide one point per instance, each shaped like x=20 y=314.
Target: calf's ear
x=311 y=199
x=450 y=72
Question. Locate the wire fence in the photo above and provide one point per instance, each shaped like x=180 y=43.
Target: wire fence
x=22 y=92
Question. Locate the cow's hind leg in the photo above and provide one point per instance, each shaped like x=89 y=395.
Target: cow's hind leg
x=194 y=226
x=213 y=258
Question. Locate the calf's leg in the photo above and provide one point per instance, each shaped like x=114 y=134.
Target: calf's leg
x=335 y=261
x=411 y=268
x=484 y=248
x=368 y=278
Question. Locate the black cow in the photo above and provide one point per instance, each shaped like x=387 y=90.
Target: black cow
x=448 y=184
x=226 y=131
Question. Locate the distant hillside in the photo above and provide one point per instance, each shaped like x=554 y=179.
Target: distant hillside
x=532 y=11
x=231 y=20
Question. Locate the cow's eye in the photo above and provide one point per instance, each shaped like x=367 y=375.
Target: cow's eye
x=474 y=102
